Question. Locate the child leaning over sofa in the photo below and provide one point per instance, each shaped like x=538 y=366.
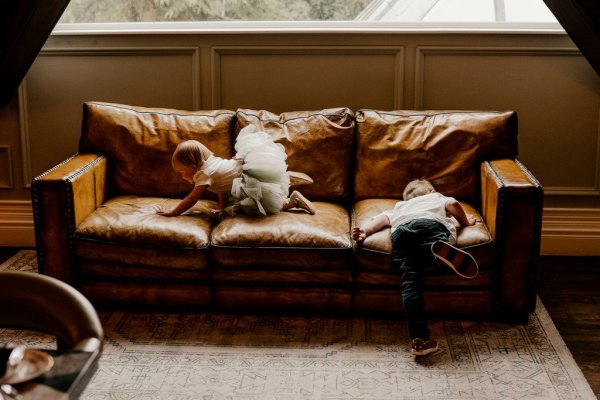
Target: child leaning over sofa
x=256 y=178
x=422 y=232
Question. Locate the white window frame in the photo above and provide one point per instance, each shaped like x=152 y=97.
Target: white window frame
x=252 y=27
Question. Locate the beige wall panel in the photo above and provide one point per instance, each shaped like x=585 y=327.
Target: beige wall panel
x=555 y=93
x=59 y=82
x=6 y=176
x=11 y=186
x=281 y=80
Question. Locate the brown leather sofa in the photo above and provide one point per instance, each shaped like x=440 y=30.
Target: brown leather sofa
x=96 y=225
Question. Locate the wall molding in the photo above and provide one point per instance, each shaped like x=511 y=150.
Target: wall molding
x=24 y=134
x=218 y=51
x=571 y=232
x=565 y=231
x=6 y=181
x=192 y=51
x=16 y=224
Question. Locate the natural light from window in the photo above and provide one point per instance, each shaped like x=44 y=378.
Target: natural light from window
x=350 y=11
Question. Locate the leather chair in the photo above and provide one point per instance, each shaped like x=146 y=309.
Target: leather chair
x=45 y=304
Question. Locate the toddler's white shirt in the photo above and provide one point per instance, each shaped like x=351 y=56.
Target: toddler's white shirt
x=218 y=173
x=429 y=206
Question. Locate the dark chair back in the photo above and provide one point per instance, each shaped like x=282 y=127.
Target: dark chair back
x=41 y=303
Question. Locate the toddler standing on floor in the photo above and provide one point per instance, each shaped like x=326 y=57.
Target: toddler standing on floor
x=422 y=232
x=256 y=179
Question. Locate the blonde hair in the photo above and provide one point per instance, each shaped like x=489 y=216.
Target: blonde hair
x=191 y=153
x=416 y=188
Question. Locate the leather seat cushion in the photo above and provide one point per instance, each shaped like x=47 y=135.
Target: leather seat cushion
x=374 y=254
x=291 y=240
x=127 y=230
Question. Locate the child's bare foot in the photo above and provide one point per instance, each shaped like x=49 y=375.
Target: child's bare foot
x=297 y=200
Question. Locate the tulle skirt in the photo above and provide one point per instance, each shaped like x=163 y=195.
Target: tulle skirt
x=264 y=185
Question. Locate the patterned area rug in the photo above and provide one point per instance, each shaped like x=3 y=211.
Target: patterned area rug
x=210 y=356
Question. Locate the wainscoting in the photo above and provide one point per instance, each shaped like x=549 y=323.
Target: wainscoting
x=571 y=232
x=16 y=224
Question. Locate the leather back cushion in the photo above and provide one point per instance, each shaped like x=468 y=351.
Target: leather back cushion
x=317 y=143
x=140 y=142
x=445 y=147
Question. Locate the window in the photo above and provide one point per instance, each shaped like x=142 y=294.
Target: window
x=215 y=10
x=374 y=12
x=458 y=11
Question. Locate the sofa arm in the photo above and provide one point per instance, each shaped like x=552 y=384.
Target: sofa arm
x=62 y=197
x=511 y=202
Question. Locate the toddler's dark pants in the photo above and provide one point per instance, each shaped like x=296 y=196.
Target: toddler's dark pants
x=411 y=255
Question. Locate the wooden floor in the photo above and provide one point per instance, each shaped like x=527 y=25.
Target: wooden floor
x=569 y=287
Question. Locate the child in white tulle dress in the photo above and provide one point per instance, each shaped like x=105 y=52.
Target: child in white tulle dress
x=256 y=179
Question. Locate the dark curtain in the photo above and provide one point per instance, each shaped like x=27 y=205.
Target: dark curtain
x=24 y=27
x=581 y=20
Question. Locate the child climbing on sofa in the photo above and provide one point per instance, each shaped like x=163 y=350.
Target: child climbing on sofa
x=422 y=232
x=256 y=179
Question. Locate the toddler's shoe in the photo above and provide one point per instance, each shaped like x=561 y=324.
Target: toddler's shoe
x=299 y=201
x=421 y=347
x=458 y=260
